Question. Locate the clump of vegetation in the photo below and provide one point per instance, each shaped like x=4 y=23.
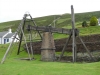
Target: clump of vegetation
x=84 y=24
x=93 y=21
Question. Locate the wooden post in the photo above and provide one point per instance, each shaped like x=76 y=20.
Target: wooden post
x=86 y=49
x=26 y=43
x=35 y=25
x=31 y=47
x=20 y=39
x=67 y=41
x=73 y=34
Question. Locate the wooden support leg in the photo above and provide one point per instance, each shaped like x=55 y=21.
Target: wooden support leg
x=26 y=43
x=36 y=25
x=23 y=25
x=40 y=35
x=87 y=49
x=19 y=44
x=31 y=47
x=74 y=49
x=5 y=55
x=67 y=41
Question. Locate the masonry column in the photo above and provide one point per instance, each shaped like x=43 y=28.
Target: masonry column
x=48 y=47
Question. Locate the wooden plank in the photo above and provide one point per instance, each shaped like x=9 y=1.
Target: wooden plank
x=35 y=25
x=20 y=41
x=51 y=29
x=67 y=41
x=73 y=34
x=87 y=49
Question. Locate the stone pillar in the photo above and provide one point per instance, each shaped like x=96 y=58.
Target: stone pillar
x=48 y=47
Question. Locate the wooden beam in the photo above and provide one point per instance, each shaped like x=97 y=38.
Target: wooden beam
x=67 y=41
x=73 y=34
x=20 y=41
x=87 y=49
x=51 y=29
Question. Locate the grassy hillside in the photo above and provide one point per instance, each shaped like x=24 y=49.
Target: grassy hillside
x=12 y=24
x=65 y=20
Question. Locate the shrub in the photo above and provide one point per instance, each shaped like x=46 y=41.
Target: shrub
x=84 y=24
x=93 y=21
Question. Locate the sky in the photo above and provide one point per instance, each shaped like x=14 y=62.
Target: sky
x=15 y=9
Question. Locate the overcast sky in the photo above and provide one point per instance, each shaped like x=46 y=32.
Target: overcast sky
x=15 y=9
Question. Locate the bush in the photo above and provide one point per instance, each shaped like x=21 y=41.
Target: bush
x=93 y=21
x=84 y=24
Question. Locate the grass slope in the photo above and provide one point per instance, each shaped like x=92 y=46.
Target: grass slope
x=83 y=31
x=14 y=66
x=65 y=20
x=48 y=68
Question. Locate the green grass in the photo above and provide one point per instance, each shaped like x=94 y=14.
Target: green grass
x=12 y=24
x=48 y=68
x=14 y=66
x=90 y=30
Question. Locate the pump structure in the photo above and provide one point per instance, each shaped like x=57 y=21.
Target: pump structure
x=48 y=46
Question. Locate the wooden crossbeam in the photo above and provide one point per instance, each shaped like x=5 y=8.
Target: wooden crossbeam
x=49 y=29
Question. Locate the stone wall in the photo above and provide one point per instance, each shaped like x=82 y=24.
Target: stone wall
x=91 y=41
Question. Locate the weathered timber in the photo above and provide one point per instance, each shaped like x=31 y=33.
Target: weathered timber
x=67 y=41
x=73 y=34
x=49 y=29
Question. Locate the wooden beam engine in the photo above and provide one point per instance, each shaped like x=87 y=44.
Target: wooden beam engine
x=51 y=29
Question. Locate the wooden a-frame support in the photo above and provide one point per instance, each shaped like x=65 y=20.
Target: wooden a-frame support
x=16 y=33
x=31 y=19
x=20 y=29
x=73 y=34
